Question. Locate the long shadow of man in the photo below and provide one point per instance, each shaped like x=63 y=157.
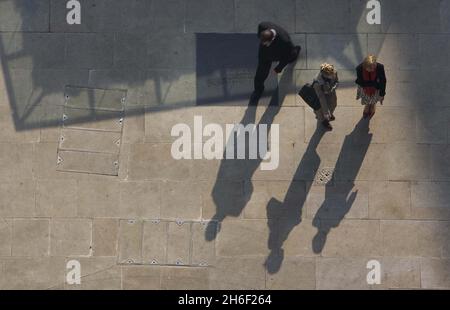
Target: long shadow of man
x=284 y=216
x=337 y=205
x=242 y=170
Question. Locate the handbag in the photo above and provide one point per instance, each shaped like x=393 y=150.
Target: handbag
x=308 y=94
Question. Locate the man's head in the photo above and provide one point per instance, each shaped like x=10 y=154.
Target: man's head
x=266 y=37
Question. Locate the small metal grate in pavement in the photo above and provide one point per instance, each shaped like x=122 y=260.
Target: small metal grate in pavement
x=324 y=176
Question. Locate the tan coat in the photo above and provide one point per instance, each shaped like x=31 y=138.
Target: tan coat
x=326 y=91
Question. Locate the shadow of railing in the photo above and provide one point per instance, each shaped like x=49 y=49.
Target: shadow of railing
x=35 y=72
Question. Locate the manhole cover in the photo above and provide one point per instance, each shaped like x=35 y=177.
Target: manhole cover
x=324 y=176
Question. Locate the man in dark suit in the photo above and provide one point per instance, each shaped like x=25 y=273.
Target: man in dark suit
x=275 y=45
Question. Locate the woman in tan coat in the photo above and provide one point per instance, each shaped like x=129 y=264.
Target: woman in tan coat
x=325 y=85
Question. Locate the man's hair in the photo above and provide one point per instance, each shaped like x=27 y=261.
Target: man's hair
x=266 y=35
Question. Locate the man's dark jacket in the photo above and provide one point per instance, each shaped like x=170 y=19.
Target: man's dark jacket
x=280 y=49
x=379 y=83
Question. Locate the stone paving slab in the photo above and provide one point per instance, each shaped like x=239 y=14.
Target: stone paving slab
x=56 y=198
x=367 y=244
x=415 y=19
x=435 y=274
x=86 y=162
x=141 y=278
x=242 y=238
x=303 y=268
x=175 y=88
x=397 y=273
x=414 y=238
x=154 y=248
x=41 y=88
x=137 y=16
x=130 y=242
x=71 y=237
x=203 y=253
x=182 y=46
x=98 y=198
x=104 y=237
x=90 y=51
x=248 y=13
x=226 y=72
x=95 y=99
x=99 y=273
x=185 y=279
x=142 y=163
x=398 y=51
x=175 y=194
x=432 y=57
x=140 y=199
x=178 y=243
x=8 y=132
x=17 y=198
x=23 y=15
x=390 y=200
x=30 y=237
x=294 y=237
x=223 y=196
x=226 y=275
x=21 y=154
x=339 y=12
x=6 y=230
x=199 y=14
x=338 y=273
x=440 y=154
x=349 y=50
x=330 y=202
x=90 y=141
x=342 y=130
x=130 y=79
x=261 y=194
x=32 y=273
x=42 y=56
x=426 y=195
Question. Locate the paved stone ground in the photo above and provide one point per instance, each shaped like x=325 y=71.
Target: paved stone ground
x=147 y=225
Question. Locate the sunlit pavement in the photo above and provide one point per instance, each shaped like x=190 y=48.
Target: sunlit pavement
x=87 y=173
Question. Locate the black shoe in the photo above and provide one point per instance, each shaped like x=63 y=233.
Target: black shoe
x=327 y=125
x=296 y=53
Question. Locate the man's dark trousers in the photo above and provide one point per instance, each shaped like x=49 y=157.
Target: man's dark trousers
x=263 y=71
x=281 y=49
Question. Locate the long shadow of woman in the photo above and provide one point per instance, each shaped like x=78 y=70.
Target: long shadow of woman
x=335 y=207
x=242 y=170
x=284 y=216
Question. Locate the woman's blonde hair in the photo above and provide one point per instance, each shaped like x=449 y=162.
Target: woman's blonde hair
x=327 y=68
x=369 y=61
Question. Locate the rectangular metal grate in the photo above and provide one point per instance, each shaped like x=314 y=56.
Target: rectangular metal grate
x=91 y=135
